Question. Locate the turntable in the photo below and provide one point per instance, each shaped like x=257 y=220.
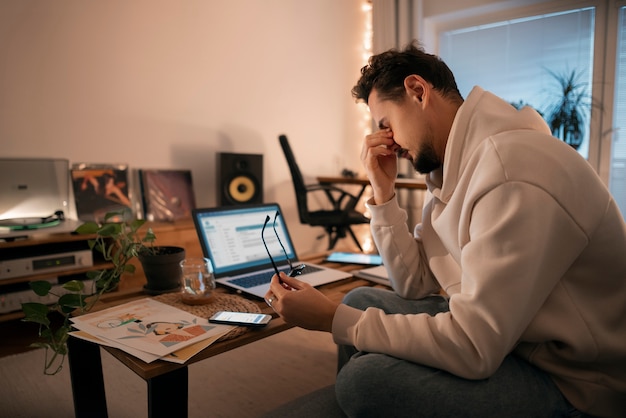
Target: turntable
x=31 y=190
x=21 y=224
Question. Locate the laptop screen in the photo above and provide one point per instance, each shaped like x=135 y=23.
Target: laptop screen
x=230 y=237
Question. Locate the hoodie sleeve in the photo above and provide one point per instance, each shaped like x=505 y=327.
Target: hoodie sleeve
x=402 y=253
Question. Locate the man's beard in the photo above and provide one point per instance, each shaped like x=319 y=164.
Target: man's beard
x=426 y=160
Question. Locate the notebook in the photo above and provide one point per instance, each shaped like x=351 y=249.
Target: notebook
x=230 y=236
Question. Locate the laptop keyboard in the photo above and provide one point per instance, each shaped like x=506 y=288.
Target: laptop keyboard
x=265 y=277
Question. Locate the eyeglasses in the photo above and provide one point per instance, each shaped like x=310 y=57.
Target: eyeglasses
x=293 y=271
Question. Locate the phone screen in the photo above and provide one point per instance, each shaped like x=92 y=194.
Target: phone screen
x=355 y=258
x=240 y=318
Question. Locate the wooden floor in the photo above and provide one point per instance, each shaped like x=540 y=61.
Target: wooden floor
x=246 y=382
x=16 y=337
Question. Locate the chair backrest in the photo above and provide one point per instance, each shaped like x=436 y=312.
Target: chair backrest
x=297 y=179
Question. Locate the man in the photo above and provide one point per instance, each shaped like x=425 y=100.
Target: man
x=519 y=233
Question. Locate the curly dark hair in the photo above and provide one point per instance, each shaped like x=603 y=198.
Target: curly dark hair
x=386 y=72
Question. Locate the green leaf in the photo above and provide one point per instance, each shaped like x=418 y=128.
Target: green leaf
x=66 y=310
x=150 y=237
x=109 y=230
x=92 y=243
x=41 y=287
x=46 y=333
x=71 y=301
x=88 y=228
x=136 y=224
x=74 y=286
x=36 y=312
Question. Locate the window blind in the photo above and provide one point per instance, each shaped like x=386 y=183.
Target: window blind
x=513 y=59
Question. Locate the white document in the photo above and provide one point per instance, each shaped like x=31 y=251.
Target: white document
x=149 y=326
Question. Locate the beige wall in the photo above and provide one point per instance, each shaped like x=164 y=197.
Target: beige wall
x=167 y=84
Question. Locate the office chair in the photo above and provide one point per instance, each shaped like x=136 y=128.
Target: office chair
x=337 y=221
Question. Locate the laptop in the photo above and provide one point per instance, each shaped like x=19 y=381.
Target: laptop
x=230 y=236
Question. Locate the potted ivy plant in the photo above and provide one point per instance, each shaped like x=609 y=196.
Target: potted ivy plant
x=161 y=266
x=118 y=240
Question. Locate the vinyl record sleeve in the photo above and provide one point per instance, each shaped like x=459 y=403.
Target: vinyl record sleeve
x=167 y=194
x=100 y=189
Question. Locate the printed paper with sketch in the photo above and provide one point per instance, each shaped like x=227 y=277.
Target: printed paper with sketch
x=148 y=325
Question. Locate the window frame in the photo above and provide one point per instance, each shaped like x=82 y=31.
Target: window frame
x=604 y=56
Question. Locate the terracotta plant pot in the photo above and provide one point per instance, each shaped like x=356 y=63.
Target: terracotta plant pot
x=162 y=269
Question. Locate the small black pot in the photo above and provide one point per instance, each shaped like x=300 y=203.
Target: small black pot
x=162 y=270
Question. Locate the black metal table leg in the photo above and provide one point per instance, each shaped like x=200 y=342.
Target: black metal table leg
x=168 y=394
x=87 y=378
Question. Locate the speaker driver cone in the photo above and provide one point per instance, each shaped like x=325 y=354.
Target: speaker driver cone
x=241 y=189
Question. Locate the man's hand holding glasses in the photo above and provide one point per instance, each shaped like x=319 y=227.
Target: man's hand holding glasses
x=293 y=271
x=300 y=303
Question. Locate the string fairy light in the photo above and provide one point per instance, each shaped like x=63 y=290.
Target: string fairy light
x=365 y=122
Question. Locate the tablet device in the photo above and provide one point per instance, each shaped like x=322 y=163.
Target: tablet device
x=355 y=258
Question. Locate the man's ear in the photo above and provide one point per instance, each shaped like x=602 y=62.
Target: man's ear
x=416 y=88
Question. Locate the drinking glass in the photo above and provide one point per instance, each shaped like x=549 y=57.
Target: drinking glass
x=198 y=281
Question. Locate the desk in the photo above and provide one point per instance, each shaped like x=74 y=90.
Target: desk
x=401 y=183
x=409 y=184
x=167 y=381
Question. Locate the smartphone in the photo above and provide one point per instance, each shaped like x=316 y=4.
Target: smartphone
x=355 y=258
x=241 y=318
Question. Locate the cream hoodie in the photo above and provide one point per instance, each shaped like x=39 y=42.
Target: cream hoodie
x=526 y=240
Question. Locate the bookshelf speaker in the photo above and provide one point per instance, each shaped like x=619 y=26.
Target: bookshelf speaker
x=239 y=178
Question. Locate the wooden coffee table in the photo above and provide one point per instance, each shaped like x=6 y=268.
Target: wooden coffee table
x=166 y=380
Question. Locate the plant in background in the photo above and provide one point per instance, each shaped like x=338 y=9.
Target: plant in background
x=567 y=115
x=519 y=105
x=118 y=242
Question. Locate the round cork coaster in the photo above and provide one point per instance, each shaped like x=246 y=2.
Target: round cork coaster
x=220 y=302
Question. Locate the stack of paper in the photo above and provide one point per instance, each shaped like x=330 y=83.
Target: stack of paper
x=149 y=330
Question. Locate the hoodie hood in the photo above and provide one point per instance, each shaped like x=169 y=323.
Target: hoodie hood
x=480 y=117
